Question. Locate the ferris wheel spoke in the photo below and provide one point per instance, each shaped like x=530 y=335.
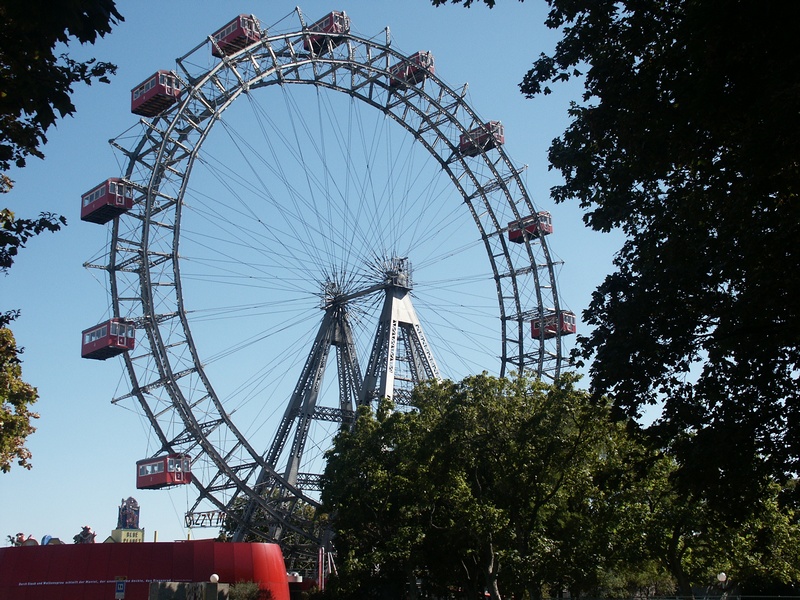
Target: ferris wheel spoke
x=332 y=187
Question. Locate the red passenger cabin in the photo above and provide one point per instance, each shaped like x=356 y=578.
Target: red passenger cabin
x=163 y=471
x=108 y=339
x=106 y=201
x=238 y=34
x=155 y=94
x=553 y=323
x=482 y=138
x=411 y=70
x=336 y=23
x=539 y=224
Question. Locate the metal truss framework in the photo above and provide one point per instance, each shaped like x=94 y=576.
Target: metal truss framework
x=399 y=340
x=167 y=374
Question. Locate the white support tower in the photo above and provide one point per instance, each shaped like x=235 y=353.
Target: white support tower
x=401 y=356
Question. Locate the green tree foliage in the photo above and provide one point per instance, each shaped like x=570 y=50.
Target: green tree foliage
x=16 y=398
x=529 y=489
x=370 y=489
x=488 y=483
x=685 y=533
x=248 y=590
x=685 y=139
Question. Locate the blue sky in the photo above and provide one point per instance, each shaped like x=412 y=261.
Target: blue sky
x=85 y=448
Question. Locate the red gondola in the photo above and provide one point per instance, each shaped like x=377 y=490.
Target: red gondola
x=238 y=34
x=411 y=70
x=163 y=471
x=108 y=339
x=482 y=138
x=155 y=94
x=336 y=22
x=564 y=321
x=539 y=224
x=106 y=201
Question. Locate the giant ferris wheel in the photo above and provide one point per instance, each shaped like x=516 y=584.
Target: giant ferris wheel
x=309 y=220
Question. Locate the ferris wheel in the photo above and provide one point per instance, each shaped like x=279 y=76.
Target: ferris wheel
x=298 y=196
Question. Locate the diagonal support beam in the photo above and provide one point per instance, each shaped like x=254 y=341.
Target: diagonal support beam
x=334 y=331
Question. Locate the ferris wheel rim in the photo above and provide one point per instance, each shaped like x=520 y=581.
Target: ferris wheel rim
x=152 y=317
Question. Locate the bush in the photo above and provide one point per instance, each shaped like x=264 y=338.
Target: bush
x=248 y=590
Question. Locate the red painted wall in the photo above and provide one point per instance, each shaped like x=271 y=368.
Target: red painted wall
x=89 y=571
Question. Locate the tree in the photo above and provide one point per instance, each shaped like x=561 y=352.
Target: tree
x=248 y=590
x=487 y=484
x=371 y=488
x=35 y=89
x=685 y=139
x=685 y=533
x=16 y=397
x=528 y=488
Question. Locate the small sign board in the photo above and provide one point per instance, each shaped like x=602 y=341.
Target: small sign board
x=119 y=589
x=127 y=536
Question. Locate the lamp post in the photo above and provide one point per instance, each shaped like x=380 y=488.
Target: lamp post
x=722 y=578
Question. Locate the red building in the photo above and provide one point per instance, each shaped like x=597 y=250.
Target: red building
x=94 y=571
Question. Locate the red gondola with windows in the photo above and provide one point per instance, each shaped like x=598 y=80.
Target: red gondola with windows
x=163 y=471
x=106 y=201
x=411 y=70
x=155 y=94
x=552 y=323
x=539 y=224
x=108 y=339
x=482 y=138
x=238 y=34
x=336 y=22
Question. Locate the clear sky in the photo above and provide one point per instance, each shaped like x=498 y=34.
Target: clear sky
x=85 y=448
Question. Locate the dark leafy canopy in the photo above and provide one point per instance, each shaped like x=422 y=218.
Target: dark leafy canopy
x=35 y=84
x=489 y=485
x=529 y=489
x=686 y=139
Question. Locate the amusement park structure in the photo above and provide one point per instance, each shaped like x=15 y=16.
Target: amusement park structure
x=242 y=276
